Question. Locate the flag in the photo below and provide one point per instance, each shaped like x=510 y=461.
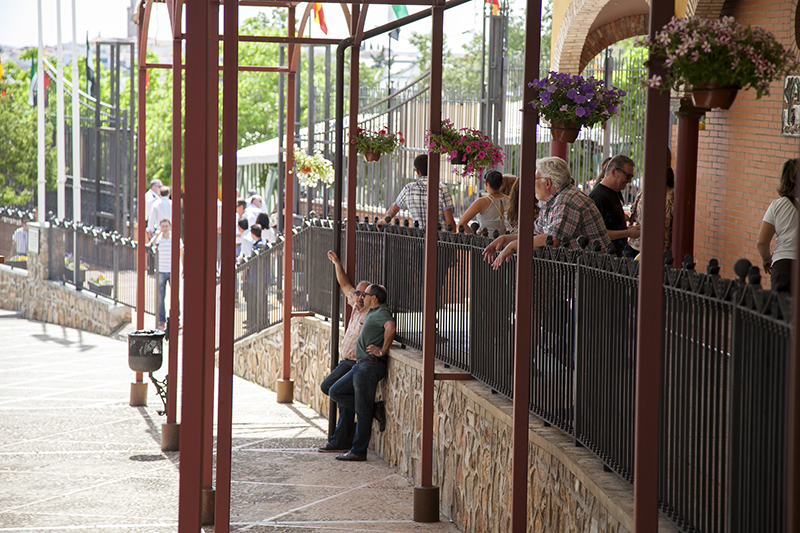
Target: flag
x=319 y=17
x=34 y=87
x=89 y=70
x=495 y=6
x=1 y=69
x=399 y=12
x=146 y=80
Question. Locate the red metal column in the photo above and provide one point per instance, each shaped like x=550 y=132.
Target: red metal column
x=138 y=394
x=651 y=267
x=557 y=149
x=285 y=385
x=522 y=326
x=356 y=29
x=170 y=432
x=200 y=238
x=426 y=496
x=230 y=104
x=685 y=180
x=793 y=429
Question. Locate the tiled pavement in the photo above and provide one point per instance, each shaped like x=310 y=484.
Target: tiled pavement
x=74 y=456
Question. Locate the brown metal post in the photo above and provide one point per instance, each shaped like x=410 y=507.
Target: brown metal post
x=651 y=267
x=793 y=429
x=352 y=154
x=685 y=179
x=230 y=104
x=139 y=389
x=285 y=384
x=210 y=223
x=200 y=134
x=522 y=329
x=426 y=495
x=170 y=432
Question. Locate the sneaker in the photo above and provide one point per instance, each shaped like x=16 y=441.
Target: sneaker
x=379 y=413
x=330 y=448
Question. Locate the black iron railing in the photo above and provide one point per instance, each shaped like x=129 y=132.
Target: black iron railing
x=724 y=358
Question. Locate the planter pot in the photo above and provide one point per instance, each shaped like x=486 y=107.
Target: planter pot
x=713 y=95
x=69 y=275
x=565 y=132
x=371 y=157
x=459 y=159
x=145 y=350
x=105 y=290
x=17 y=264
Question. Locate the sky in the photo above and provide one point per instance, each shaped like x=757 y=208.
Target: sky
x=108 y=19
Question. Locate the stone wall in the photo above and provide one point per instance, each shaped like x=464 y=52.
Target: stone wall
x=38 y=298
x=568 y=490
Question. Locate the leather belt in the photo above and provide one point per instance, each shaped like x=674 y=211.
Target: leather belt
x=365 y=359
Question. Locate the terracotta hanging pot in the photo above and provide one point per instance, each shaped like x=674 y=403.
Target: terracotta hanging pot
x=371 y=157
x=459 y=159
x=305 y=170
x=712 y=94
x=565 y=132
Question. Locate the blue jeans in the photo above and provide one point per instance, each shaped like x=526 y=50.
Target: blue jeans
x=344 y=426
x=163 y=278
x=355 y=391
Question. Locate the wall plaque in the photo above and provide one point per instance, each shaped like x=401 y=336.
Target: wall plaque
x=33 y=239
x=790 y=123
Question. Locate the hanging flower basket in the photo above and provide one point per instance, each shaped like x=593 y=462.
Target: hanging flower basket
x=566 y=132
x=371 y=144
x=312 y=168
x=716 y=58
x=570 y=102
x=712 y=95
x=465 y=147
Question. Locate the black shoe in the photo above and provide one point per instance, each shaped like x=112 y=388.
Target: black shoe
x=350 y=456
x=330 y=448
x=379 y=413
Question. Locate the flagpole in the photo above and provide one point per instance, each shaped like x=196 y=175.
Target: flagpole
x=62 y=173
x=40 y=119
x=76 y=121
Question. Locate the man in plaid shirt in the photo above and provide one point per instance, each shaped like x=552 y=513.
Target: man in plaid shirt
x=566 y=214
x=414 y=197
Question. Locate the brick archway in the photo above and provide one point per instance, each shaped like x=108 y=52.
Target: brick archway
x=578 y=20
x=611 y=33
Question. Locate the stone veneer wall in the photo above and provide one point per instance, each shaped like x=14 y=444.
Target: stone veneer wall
x=568 y=490
x=38 y=298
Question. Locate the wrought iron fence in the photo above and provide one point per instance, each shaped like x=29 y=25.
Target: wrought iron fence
x=14 y=235
x=724 y=358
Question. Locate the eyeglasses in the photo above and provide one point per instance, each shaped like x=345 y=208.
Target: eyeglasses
x=359 y=293
x=369 y=293
x=628 y=177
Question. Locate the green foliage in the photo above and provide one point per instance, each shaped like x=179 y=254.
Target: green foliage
x=379 y=142
x=18 y=139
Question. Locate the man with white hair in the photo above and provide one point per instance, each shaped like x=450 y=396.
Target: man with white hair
x=566 y=214
x=153 y=194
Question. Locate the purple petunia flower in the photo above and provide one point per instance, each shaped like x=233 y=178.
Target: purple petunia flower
x=563 y=107
x=545 y=99
x=581 y=111
x=580 y=99
x=612 y=108
x=572 y=93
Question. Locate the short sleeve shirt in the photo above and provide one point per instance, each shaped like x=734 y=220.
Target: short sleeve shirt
x=414 y=197
x=348 y=347
x=610 y=207
x=782 y=214
x=569 y=214
x=372 y=329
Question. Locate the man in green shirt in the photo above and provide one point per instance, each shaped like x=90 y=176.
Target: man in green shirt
x=356 y=389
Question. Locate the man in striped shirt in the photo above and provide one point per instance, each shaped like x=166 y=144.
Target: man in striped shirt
x=162 y=239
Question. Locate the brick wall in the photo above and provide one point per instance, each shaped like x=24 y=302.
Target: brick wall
x=740 y=154
x=611 y=33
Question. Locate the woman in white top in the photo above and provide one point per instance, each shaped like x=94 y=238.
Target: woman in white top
x=488 y=209
x=780 y=220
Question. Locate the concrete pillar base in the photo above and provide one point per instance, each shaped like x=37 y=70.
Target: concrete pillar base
x=426 y=504
x=170 y=437
x=285 y=390
x=207 y=501
x=138 y=394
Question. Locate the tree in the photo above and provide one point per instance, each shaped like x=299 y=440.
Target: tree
x=18 y=138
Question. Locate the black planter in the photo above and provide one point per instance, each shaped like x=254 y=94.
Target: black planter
x=105 y=290
x=145 y=350
x=69 y=275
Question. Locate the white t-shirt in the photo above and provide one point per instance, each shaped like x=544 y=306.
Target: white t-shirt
x=782 y=214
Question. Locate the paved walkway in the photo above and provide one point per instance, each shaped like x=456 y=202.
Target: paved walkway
x=74 y=456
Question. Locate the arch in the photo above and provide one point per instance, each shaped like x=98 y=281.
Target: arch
x=613 y=32
x=578 y=20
